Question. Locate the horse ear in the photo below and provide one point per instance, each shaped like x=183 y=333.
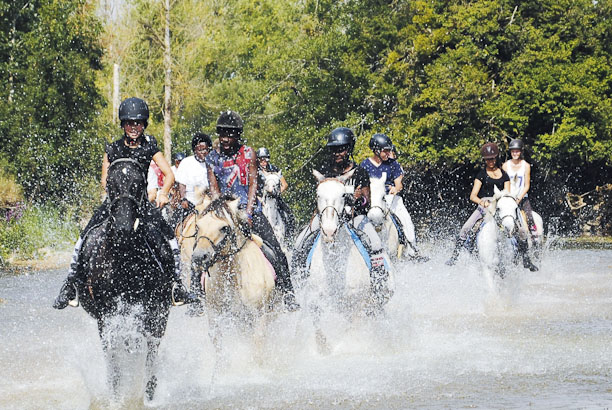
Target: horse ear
x=233 y=205
x=347 y=176
x=318 y=175
x=496 y=190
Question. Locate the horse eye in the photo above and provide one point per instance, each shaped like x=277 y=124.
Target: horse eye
x=226 y=230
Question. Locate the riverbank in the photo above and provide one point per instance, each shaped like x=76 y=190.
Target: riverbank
x=586 y=242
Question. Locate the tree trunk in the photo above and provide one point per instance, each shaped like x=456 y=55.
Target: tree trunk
x=167 y=86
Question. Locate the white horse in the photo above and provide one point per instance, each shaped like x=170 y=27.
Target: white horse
x=270 y=206
x=497 y=248
x=338 y=265
x=237 y=278
x=380 y=214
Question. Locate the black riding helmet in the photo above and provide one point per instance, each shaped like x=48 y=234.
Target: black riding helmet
x=134 y=109
x=516 y=144
x=230 y=123
x=341 y=136
x=263 y=152
x=179 y=156
x=379 y=142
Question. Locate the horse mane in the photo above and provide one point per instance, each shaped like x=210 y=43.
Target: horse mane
x=220 y=208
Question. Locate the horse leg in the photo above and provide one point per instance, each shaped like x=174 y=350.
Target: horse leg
x=112 y=367
x=155 y=322
x=152 y=351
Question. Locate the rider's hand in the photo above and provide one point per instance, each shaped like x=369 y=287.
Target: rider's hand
x=485 y=203
x=349 y=200
x=162 y=199
x=184 y=203
x=393 y=190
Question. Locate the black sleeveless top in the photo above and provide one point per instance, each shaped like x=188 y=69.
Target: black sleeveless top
x=487 y=183
x=143 y=154
x=359 y=179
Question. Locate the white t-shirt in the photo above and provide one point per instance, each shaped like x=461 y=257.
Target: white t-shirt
x=192 y=174
x=517 y=177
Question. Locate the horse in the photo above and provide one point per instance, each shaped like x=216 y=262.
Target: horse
x=380 y=216
x=128 y=272
x=496 y=243
x=278 y=217
x=238 y=280
x=338 y=266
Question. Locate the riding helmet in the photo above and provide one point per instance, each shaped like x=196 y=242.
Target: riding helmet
x=489 y=150
x=341 y=136
x=179 y=156
x=263 y=153
x=134 y=109
x=516 y=144
x=379 y=142
x=198 y=138
x=229 y=123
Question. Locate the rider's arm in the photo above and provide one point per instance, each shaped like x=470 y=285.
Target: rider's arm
x=398 y=186
x=163 y=165
x=522 y=194
x=284 y=184
x=474 y=195
x=507 y=186
x=215 y=192
x=252 y=187
x=105 y=165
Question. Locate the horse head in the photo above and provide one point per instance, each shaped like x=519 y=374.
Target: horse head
x=330 y=202
x=217 y=231
x=272 y=184
x=378 y=206
x=505 y=207
x=126 y=186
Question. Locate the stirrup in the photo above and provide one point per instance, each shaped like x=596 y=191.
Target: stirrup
x=176 y=302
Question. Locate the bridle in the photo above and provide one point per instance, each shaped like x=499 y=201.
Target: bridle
x=229 y=238
x=137 y=201
x=499 y=220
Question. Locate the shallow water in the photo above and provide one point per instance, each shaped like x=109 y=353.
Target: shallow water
x=445 y=342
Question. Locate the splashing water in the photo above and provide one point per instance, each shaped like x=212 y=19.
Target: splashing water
x=444 y=341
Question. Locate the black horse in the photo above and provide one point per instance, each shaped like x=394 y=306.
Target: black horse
x=127 y=268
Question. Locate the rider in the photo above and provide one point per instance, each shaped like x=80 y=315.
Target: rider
x=235 y=171
x=263 y=165
x=134 y=116
x=486 y=179
x=194 y=173
x=178 y=157
x=382 y=162
x=519 y=172
x=339 y=149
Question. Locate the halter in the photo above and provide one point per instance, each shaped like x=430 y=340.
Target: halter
x=137 y=201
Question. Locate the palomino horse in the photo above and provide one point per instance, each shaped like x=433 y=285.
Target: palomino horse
x=128 y=272
x=338 y=266
x=271 y=208
x=237 y=278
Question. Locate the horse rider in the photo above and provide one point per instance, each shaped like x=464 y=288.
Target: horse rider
x=264 y=165
x=486 y=179
x=193 y=173
x=339 y=150
x=519 y=172
x=178 y=157
x=136 y=145
x=235 y=171
x=382 y=162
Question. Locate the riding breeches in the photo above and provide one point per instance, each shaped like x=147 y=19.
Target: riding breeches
x=525 y=205
x=477 y=215
x=396 y=204
x=262 y=227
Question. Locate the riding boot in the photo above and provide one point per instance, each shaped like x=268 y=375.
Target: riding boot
x=68 y=293
x=523 y=250
x=458 y=245
x=180 y=295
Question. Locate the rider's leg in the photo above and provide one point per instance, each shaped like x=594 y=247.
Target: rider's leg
x=68 y=291
x=463 y=234
x=399 y=209
x=379 y=274
x=303 y=244
x=523 y=248
x=526 y=206
x=262 y=227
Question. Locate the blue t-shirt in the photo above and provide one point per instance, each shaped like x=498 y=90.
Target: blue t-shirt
x=390 y=166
